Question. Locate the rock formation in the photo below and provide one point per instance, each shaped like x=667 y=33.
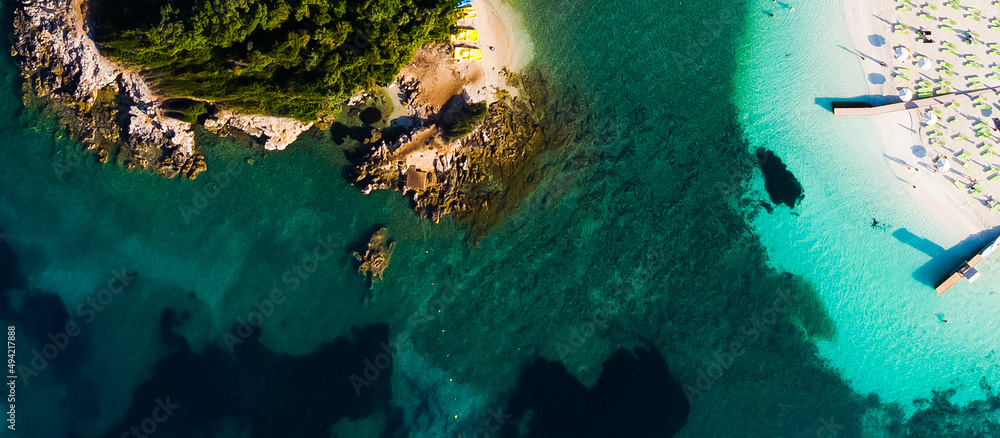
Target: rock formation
x=111 y=109
x=376 y=257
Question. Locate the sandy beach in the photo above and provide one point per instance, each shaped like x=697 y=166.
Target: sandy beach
x=505 y=46
x=957 y=197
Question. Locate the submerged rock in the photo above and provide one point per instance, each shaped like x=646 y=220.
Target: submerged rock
x=376 y=258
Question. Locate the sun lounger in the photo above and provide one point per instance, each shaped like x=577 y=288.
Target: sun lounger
x=465 y=35
x=959 y=184
x=993 y=179
x=904 y=9
x=468 y=54
x=979 y=125
x=964 y=155
x=985 y=147
x=467 y=12
x=953 y=105
x=982 y=107
x=953 y=120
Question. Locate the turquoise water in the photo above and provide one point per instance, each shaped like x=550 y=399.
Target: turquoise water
x=890 y=340
x=646 y=228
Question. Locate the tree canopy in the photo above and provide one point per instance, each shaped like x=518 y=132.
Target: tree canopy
x=292 y=58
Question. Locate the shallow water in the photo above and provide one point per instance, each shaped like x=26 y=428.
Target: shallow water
x=873 y=278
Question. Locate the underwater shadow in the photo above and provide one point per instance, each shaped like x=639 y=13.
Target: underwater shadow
x=941 y=264
x=635 y=396
x=270 y=394
x=865 y=101
x=919 y=243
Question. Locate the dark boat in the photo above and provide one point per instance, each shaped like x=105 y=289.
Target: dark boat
x=996 y=123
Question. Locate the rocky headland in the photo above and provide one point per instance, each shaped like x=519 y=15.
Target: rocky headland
x=112 y=109
x=475 y=159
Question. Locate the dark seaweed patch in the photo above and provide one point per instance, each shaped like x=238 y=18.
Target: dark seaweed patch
x=780 y=183
x=273 y=395
x=635 y=396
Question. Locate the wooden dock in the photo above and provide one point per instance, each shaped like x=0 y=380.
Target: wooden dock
x=967 y=269
x=853 y=109
x=859 y=108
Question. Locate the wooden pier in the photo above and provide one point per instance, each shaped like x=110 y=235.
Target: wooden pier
x=861 y=108
x=967 y=269
x=851 y=109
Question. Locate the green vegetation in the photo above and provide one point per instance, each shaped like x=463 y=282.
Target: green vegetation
x=473 y=117
x=292 y=58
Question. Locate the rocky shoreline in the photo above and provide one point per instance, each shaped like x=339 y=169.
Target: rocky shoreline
x=460 y=157
x=479 y=176
x=111 y=109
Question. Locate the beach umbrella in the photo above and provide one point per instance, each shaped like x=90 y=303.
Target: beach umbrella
x=902 y=53
x=905 y=94
x=930 y=118
x=943 y=164
x=925 y=63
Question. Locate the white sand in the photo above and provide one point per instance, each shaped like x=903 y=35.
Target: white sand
x=958 y=212
x=504 y=43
